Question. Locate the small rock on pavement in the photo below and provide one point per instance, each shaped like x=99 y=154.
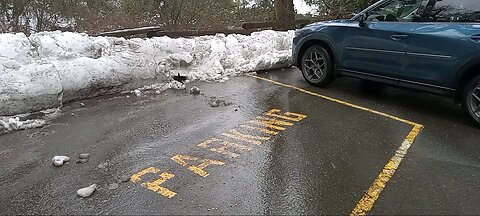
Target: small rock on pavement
x=88 y=191
x=60 y=160
x=217 y=102
x=84 y=156
x=124 y=179
x=195 y=90
x=113 y=186
x=214 y=103
x=81 y=161
x=103 y=165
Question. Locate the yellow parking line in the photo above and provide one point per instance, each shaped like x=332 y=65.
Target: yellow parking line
x=336 y=100
x=368 y=200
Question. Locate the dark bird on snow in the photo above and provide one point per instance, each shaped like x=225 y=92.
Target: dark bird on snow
x=180 y=78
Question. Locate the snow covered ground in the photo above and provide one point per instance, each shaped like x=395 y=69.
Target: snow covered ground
x=44 y=70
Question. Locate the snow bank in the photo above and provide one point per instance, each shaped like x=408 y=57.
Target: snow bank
x=46 y=69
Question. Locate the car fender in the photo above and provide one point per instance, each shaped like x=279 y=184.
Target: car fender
x=318 y=35
x=464 y=69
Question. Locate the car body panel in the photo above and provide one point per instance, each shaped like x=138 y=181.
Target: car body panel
x=375 y=48
x=437 y=51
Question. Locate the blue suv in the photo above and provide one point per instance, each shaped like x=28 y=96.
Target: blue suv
x=429 y=45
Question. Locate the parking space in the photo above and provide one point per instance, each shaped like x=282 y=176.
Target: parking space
x=440 y=173
x=280 y=147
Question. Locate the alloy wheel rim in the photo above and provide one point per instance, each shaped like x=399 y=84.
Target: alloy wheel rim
x=474 y=99
x=314 y=66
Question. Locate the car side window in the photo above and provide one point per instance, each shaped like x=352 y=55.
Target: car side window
x=452 y=11
x=396 y=11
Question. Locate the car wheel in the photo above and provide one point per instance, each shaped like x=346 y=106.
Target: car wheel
x=317 y=67
x=471 y=100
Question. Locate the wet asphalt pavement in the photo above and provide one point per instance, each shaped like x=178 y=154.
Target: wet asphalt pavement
x=321 y=164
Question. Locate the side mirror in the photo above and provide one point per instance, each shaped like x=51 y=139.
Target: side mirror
x=362 y=20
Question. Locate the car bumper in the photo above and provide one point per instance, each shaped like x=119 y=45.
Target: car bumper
x=295 y=52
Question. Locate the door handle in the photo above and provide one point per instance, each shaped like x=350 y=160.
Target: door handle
x=397 y=37
x=475 y=38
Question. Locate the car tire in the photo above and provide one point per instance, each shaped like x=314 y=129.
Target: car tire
x=317 y=66
x=471 y=100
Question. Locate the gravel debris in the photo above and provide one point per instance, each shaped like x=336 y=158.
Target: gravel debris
x=103 y=165
x=124 y=179
x=195 y=90
x=113 y=186
x=82 y=161
x=84 y=156
x=214 y=102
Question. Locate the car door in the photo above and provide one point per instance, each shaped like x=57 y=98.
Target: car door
x=446 y=37
x=378 y=49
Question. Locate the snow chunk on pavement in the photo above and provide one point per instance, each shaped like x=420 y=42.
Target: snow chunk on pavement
x=88 y=191
x=13 y=124
x=60 y=160
x=22 y=122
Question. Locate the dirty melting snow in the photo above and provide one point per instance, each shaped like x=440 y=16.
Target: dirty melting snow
x=26 y=122
x=46 y=69
x=15 y=123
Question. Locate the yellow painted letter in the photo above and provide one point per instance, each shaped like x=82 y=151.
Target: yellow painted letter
x=287 y=116
x=155 y=185
x=224 y=149
x=199 y=169
x=234 y=134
